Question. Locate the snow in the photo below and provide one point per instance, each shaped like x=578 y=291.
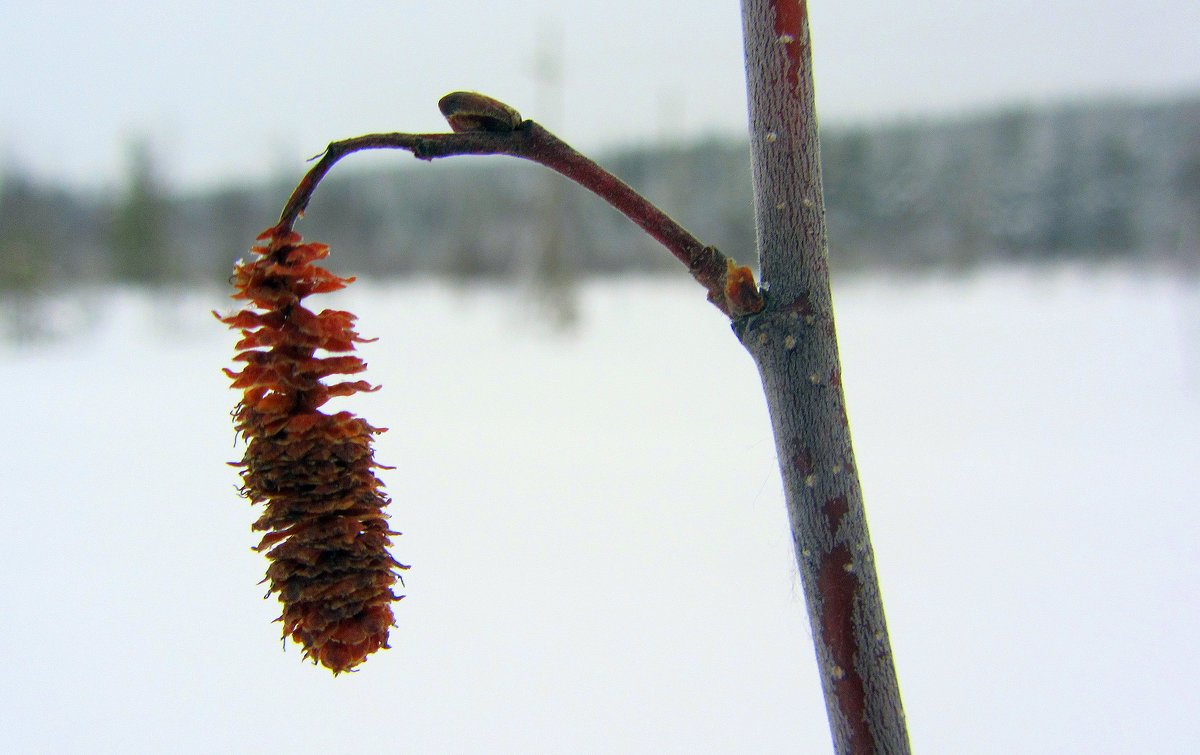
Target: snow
x=600 y=553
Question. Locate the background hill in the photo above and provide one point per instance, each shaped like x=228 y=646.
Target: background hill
x=1098 y=180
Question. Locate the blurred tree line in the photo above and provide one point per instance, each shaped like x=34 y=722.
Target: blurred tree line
x=1085 y=181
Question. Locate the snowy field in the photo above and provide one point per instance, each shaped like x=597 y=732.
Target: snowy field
x=601 y=561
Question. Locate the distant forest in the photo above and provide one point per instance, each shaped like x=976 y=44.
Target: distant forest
x=1083 y=181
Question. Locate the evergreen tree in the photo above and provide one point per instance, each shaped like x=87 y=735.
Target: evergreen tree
x=138 y=237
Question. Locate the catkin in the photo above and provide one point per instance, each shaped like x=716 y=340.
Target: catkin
x=326 y=534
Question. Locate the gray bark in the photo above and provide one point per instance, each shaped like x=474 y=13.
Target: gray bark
x=793 y=341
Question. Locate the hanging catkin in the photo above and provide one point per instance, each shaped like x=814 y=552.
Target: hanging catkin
x=326 y=537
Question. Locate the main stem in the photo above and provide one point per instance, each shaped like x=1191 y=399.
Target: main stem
x=794 y=343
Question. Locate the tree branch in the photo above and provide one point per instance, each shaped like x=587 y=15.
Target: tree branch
x=794 y=344
x=485 y=126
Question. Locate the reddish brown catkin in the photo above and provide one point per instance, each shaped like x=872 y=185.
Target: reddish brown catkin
x=326 y=535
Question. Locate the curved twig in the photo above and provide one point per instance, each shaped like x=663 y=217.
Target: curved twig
x=484 y=126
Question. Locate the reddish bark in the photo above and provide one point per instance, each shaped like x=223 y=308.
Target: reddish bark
x=484 y=126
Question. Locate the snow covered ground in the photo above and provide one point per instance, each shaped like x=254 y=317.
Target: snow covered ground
x=600 y=553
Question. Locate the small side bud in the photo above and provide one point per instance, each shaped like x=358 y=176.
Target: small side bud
x=472 y=111
x=741 y=293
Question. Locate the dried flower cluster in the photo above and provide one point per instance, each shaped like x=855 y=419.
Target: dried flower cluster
x=326 y=534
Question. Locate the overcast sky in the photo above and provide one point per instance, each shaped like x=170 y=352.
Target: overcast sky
x=248 y=89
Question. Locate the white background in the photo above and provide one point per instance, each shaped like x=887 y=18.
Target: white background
x=234 y=90
x=601 y=560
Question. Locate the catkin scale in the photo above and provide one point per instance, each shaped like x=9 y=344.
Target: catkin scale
x=326 y=534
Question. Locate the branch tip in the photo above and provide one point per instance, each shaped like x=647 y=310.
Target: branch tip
x=472 y=111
